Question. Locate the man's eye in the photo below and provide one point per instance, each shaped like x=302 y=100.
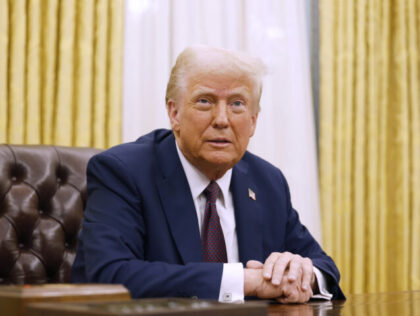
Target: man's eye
x=238 y=103
x=203 y=101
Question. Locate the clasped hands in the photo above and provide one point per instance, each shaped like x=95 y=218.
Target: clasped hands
x=286 y=277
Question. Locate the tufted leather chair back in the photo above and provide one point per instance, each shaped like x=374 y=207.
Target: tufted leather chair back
x=42 y=198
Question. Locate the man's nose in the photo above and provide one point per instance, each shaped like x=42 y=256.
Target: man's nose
x=220 y=119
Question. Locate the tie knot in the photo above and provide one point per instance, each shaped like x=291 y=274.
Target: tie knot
x=212 y=191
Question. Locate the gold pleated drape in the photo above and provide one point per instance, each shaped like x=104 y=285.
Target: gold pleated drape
x=370 y=141
x=60 y=72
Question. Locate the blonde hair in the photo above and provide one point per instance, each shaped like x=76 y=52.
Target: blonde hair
x=215 y=60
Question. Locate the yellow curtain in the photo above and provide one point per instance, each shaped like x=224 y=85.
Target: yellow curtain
x=60 y=72
x=370 y=141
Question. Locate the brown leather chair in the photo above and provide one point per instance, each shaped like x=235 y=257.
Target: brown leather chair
x=42 y=198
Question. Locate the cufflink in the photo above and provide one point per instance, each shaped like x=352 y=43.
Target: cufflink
x=227 y=297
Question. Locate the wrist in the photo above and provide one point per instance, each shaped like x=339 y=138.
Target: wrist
x=250 y=281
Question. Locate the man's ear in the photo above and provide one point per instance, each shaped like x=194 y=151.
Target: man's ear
x=173 y=114
x=254 y=118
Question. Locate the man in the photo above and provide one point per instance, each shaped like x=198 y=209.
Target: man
x=178 y=213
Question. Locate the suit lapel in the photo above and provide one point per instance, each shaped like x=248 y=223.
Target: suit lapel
x=178 y=203
x=180 y=211
x=248 y=214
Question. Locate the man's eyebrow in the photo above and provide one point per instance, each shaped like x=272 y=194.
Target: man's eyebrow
x=239 y=91
x=208 y=93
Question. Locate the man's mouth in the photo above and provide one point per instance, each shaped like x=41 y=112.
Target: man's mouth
x=219 y=141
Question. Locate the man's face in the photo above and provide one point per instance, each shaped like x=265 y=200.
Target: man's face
x=213 y=119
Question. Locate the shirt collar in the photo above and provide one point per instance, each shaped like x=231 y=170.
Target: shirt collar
x=198 y=181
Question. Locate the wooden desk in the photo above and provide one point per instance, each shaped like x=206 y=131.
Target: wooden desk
x=383 y=304
x=15 y=298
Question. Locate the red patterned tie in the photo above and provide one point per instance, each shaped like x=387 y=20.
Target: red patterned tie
x=212 y=239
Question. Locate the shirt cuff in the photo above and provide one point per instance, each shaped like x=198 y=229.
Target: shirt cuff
x=323 y=294
x=232 y=285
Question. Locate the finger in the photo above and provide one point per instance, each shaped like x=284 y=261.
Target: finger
x=305 y=296
x=279 y=267
x=295 y=268
x=289 y=300
x=285 y=300
x=295 y=297
x=269 y=264
x=290 y=295
x=309 y=294
x=307 y=274
x=254 y=264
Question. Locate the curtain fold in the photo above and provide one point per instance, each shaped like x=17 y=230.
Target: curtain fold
x=60 y=74
x=4 y=57
x=370 y=142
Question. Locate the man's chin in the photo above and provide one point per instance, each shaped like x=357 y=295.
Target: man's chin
x=221 y=161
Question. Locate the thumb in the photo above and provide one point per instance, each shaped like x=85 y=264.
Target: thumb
x=254 y=264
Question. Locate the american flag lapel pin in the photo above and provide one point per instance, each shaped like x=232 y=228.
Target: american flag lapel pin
x=251 y=194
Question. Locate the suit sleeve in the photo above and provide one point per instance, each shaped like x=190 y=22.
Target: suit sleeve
x=300 y=241
x=112 y=241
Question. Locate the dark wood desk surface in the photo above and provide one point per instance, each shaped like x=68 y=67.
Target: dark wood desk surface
x=383 y=304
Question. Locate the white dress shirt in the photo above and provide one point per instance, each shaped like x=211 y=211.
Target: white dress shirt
x=232 y=284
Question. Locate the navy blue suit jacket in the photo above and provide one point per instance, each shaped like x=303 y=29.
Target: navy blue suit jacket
x=140 y=226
